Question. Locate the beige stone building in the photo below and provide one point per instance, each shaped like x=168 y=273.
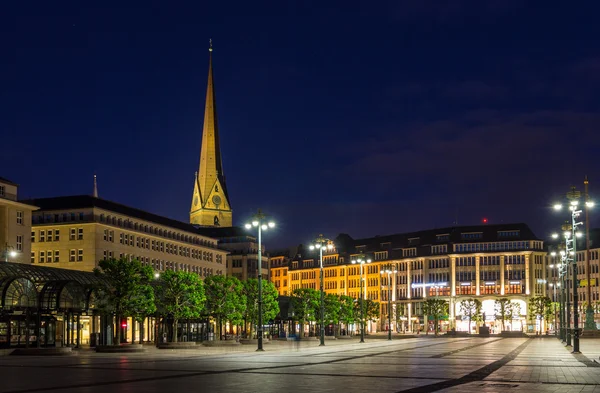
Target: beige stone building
x=485 y=262
x=75 y=232
x=15 y=224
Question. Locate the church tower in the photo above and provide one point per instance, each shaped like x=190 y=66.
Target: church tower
x=210 y=202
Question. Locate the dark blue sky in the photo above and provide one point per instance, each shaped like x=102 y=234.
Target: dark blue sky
x=359 y=117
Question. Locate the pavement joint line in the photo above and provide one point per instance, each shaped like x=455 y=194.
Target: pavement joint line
x=347 y=375
x=477 y=375
x=201 y=373
x=540 y=382
x=442 y=355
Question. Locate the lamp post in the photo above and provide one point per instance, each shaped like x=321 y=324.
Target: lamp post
x=571 y=235
x=321 y=244
x=552 y=266
x=361 y=259
x=389 y=269
x=9 y=252
x=259 y=221
x=590 y=323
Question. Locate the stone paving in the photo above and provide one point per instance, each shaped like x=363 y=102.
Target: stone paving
x=423 y=364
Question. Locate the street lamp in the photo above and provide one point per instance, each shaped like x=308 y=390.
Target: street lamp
x=571 y=235
x=361 y=259
x=389 y=269
x=556 y=266
x=259 y=221
x=9 y=252
x=564 y=274
x=322 y=244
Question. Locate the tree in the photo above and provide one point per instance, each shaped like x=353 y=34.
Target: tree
x=516 y=311
x=270 y=306
x=553 y=311
x=503 y=309
x=400 y=310
x=126 y=288
x=372 y=310
x=437 y=308
x=181 y=295
x=332 y=307
x=305 y=302
x=539 y=306
x=347 y=314
x=224 y=300
x=471 y=308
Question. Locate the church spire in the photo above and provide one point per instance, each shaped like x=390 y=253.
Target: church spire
x=95 y=187
x=210 y=202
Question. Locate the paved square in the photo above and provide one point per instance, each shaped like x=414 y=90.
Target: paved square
x=424 y=364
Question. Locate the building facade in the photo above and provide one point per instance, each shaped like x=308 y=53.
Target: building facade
x=484 y=262
x=76 y=232
x=15 y=224
x=242 y=248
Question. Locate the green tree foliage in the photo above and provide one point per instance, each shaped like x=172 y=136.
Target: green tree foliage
x=332 y=309
x=270 y=302
x=305 y=302
x=539 y=306
x=471 y=308
x=516 y=311
x=503 y=310
x=347 y=314
x=372 y=310
x=225 y=300
x=437 y=308
x=181 y=295
x=125 y=288
x=400 y=310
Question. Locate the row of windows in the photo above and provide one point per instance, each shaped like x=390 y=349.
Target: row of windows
x=53 y=256
x=581 y=256
x=53 y=235
x=440 y=249
x=155 y=245
x=41 y=218
x=497 y=246
x=438 y=277
x=125 y=223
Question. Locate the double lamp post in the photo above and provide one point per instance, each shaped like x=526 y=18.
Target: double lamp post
x=259 y=221
x=322 y=244
x=569 y=257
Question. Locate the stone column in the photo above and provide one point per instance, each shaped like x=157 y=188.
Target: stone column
x=477 y=287
x=502 y=290
x=409 y=295
x=527 y=275
x=453 y=276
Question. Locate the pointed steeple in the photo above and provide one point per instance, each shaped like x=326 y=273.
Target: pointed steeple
x=95 y=187
x=210 y=201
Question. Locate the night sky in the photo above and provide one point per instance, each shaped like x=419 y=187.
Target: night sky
x=359 y=117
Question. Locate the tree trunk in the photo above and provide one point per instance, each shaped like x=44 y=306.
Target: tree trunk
x=175 y=330
x=142 y=331
x=118 y=329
